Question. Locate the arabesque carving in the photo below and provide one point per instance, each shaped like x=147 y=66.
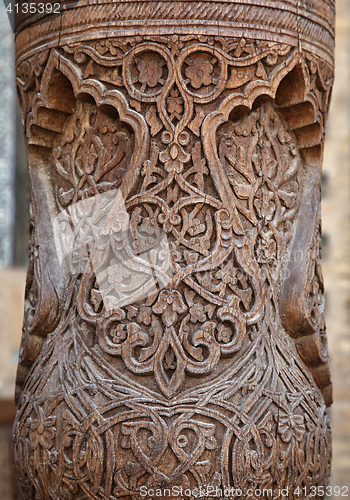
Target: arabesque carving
x=174 y=333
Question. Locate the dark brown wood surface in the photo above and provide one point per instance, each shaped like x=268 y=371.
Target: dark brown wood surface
x=173 y=331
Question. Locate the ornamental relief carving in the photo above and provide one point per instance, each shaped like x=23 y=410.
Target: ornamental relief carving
x=255 y=425
x=227 y=222
x=177 y=169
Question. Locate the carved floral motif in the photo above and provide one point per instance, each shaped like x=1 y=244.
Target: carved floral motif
x=194 y=382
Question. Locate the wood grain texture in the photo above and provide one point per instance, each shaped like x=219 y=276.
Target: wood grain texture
x=202 y=150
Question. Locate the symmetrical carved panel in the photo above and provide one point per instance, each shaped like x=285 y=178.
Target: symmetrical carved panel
x=174 y=332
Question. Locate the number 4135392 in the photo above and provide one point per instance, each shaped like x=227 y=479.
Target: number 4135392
x=34 y=8
x=321 y=491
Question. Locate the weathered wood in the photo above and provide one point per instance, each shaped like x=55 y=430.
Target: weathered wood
x=173 y=332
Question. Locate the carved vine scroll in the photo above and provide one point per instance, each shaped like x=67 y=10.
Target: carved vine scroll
x=173 y=332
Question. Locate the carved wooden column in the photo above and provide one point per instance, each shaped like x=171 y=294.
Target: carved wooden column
x=173 y=332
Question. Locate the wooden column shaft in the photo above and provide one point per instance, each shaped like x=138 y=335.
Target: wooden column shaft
x=173 y=332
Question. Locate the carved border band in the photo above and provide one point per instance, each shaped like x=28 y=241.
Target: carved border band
x=309 y=28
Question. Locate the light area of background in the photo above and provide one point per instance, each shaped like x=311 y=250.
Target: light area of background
x=336 y=236
x=336 y=246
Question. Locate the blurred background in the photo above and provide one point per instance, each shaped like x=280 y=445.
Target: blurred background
x=14 y=220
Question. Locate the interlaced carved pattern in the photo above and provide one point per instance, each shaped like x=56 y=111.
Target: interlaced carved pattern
x=194 y=134
x=202 y=226
x=228 y=219
x=259 y=423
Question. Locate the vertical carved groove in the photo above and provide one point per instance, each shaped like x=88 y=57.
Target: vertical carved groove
x=173 y=333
